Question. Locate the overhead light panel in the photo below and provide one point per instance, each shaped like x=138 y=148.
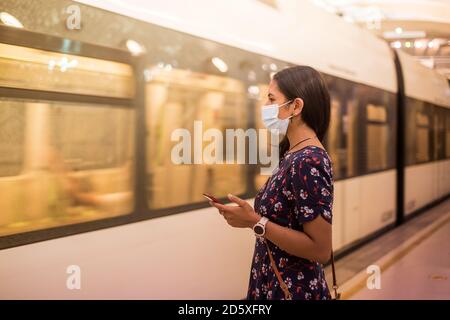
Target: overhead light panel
x=404 y=34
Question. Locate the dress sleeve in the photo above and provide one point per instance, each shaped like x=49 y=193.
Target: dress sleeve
x=311 y=182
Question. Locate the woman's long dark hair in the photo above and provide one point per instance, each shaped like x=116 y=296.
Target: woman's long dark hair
x=306 y=83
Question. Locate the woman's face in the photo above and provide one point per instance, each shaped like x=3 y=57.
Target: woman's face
x=274 y=95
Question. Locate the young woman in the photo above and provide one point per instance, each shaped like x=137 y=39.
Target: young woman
x=293 y=210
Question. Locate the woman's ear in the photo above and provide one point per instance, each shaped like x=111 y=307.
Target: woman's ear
x=298 y=106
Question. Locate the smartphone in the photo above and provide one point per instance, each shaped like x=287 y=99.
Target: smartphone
x=212 y=198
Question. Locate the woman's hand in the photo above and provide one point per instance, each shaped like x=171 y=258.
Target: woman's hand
x=240 y=216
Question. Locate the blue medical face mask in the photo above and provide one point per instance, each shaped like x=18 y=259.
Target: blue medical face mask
x=270 y=118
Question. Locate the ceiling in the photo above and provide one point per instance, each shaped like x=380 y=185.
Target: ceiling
x=419 y=27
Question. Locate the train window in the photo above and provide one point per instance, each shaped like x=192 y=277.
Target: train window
x=362 y=124
x=410 y=130
x=342 y=136
x=63 y=162
x=335 y=145
x=422 y=137
x=29 y=68
x=377 y=137
x=92 y=138
x=350 y=130
x=78 y=165
x=423 y=134
x=439 y=133
x=12 y=137
x=447 y=134
x=418 y=136
x=196 y=102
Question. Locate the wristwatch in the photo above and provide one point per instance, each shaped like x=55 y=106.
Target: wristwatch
x=260 y=227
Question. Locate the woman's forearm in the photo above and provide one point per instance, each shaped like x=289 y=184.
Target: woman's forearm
x=296 y=243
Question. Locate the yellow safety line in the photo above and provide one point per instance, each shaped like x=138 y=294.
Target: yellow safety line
x=403 y=252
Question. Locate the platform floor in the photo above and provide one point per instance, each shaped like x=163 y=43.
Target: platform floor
x=414 y=261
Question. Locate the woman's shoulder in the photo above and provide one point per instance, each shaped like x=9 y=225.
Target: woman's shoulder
x=310 y=153
x=310 y=159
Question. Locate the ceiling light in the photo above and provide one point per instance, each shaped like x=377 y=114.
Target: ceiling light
x=220 y=64
x=396 y=44
x=418 y=44
x=10 y=20
x=135 y=47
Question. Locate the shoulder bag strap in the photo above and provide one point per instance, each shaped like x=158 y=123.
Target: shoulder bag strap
x=337 y=295
x=284 y=287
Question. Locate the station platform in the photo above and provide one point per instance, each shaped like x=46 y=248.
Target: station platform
x=413 y=260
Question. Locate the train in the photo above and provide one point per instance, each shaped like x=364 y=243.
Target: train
x=91 y=92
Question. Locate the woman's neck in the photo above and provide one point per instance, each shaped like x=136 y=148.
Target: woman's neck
x=299 y=133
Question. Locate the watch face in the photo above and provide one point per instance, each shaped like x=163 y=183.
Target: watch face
x=258 y=229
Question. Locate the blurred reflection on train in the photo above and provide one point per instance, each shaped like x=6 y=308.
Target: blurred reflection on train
x=63 y=162
x=86 y=118
x=176 y=98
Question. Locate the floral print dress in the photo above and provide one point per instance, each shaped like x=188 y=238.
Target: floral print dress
x=299 y=190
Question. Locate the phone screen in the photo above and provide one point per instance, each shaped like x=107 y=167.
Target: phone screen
x=211 y=198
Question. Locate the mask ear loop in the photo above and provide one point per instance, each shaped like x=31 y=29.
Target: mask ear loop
x=287 y=103
x=290 y=118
